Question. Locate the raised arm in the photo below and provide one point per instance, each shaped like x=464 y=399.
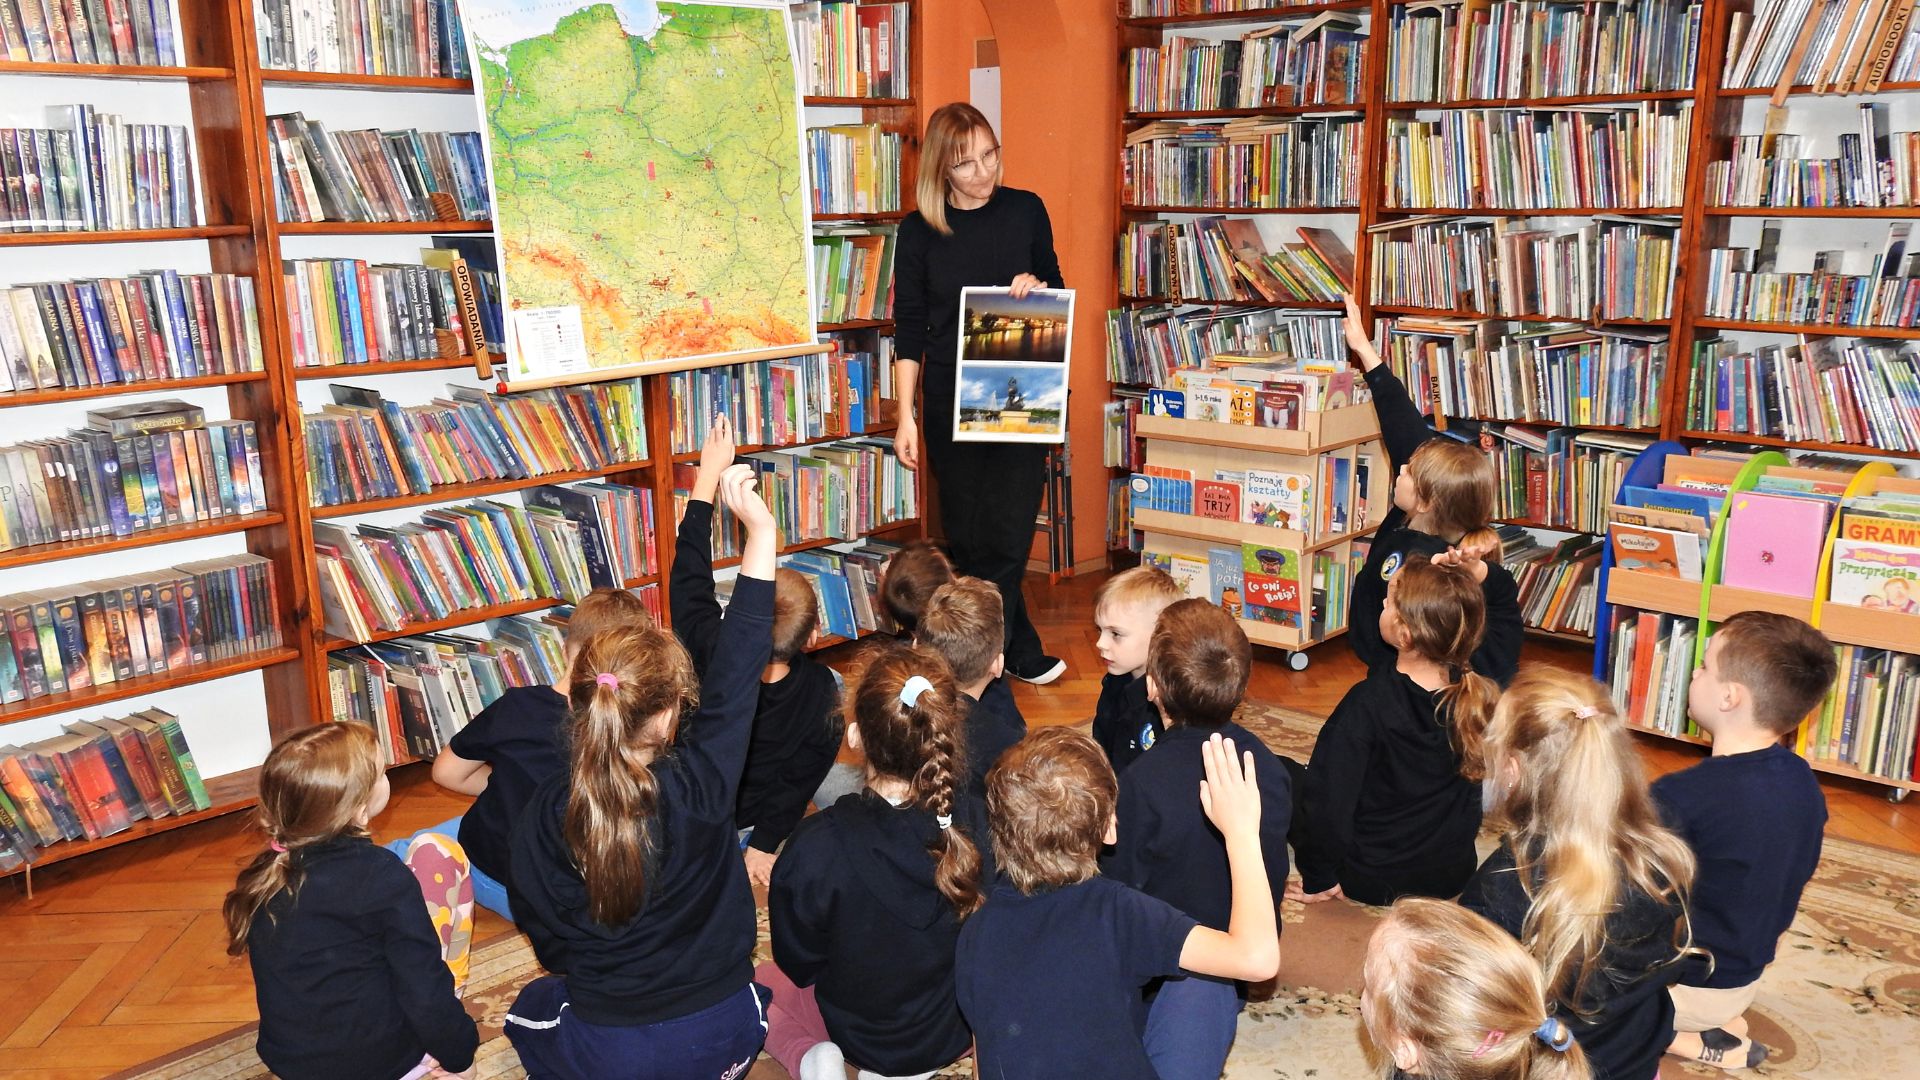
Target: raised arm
x=1250 y=949
x=1402 y=428
x=690 y=598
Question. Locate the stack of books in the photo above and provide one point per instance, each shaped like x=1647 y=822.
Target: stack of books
x=105 y=331
x=853 y=272
x=1865 y=393
x=1255 y=162
x=1651 y=666
x=855 y=168
x=131 y=32
x=1558 y=478
x=363 y=37
x=347 y=311
x=1147 y=344
x=1316 y=62
x=1550 y=373
x=1216 y=259
x=1518 y=49
x=1559 y=586
x=784 y=402
x=1873 y=168
x=1837 y=47
x=92 y=171
x=95 y=780
x=1742 y=283
x=1541 y=159
x=374 y=175
x=847 y=49
x=1269 y=390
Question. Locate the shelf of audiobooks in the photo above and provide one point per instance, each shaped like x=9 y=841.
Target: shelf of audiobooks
x=1697 y=538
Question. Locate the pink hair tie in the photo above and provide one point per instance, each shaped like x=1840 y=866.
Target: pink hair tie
x=608 y=678
x=277 y=847
x=1493 y=1039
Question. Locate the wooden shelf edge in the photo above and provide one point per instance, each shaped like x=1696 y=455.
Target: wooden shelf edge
x=1487 y=316
x=1552 y=211
x=100 y=545
x=1253 y=112
x=853 y=324
x=355 y=81
x=470 y=617
x=1909 y=333
x=23 y=398
x=1798 y=444
x=1187 y=301
x=1135 y=208
x=1540 y=103
x=155 y=72
x=825 y=542
x=377 y=228
x=683 y=456
x=477 y=490
x=228 y=793
x=1264 y=14
x=71 y=701
x=864 y=215
x=1217 y=530
x=121 y=236
x=814 y=101
x=1814 y=211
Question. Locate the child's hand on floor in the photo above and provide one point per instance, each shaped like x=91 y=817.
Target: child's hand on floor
x=1228 y=794
x=1298 y=894
x=715 y=456
x=759 y=866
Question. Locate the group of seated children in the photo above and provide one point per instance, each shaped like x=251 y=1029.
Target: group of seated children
x=1052 y=903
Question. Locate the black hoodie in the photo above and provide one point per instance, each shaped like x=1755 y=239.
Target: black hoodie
x=1384 y=794
x=691 y=944
x=1125 y=723
x=856 y=915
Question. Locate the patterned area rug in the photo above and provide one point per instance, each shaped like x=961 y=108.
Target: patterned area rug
x=1841 y=1002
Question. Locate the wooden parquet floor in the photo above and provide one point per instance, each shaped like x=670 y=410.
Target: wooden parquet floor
x=119 y=958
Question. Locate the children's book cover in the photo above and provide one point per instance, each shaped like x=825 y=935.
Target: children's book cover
x=1666 y=552
x=1773 y=542
x=1192 y=574
x=1270 y=584
x=1209 y=402
x=1163 y=402
x=1278 y=406
x=1883 y=577
x=1240 y=404
x=1336 y=516
x=1277 y=499
x=1225 y=579
x=1216 y=499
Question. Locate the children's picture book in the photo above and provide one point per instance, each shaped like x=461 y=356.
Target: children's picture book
x=1158 y=560
x=1337 y=483
x=1666 y=552
x=1164 y=402
x=1270 y=584
x=1225 y=579
x=1240 y=405
x=1884 y=577
x=1216 y=499
x=1278 y=406
x=1773 y=542
x=1191 y=573
x=1705 y=506
x=1879 y=529
x=1280 y=500
x=1210 y=402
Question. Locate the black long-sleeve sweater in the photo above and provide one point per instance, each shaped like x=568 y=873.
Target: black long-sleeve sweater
x=990 y=246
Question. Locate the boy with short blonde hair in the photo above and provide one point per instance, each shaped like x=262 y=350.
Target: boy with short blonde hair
x=963 y=622
x=1125 y=723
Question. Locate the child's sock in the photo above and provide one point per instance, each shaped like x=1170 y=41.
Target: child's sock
x=823 y=1061
x=1719 y=1048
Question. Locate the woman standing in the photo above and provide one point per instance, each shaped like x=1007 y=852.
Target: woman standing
x=971 y=231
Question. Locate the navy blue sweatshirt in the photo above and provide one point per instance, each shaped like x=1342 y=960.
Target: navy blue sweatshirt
x=990 y=733
x=691 y=944
x=349 y=976
x=796 y=721
x=856 y=915
x=1403 y=430
x=522 y=737
x=1125 y=723
x=1755 y=821
x=990 y=246
x=1384 y=794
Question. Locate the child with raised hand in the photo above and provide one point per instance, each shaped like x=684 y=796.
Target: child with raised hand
x=796 y=721
x=1049 y=972
x=1586 y=877
x=1125 y=723
x=353 y=952
x=1754 y=816
x=627 y=876
x=513 y=745
x=1196 y=675
x=1447 y=995
x=1443 y=494
x=1386 y=811
x=962 y=623
x=871 y=892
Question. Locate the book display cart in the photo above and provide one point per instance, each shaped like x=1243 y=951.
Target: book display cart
x=222 y=92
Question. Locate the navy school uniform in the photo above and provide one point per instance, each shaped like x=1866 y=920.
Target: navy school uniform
x=349 y=976
x=856 y=915
x=522 y=738
x=1051 y=982
x=1403 y=430
x=1125 y=723
x=990 y=732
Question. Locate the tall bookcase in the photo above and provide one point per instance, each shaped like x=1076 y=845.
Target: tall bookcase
x=232 y=710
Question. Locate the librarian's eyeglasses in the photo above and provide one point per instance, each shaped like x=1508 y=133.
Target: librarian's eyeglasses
x=986 y=162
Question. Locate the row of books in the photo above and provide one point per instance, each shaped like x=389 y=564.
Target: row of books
x=71 y=638
x=348 y=311
x=1872 y=168
x=95 y=780
x=419 y=38
x=1251 y=162
x=1842 y=46
x=847 y=49
x=783 y=402
x=1541 y=159
x=94 y=482
x=1868 y=721
x=1322 y=502
x=1529 y=49
x=1546 y=373
x=1218 y=259
x=374 y=175
x=1606 y=269
x=1556 y=478
x=1558 y=583
x=855 y=168
x=1269 y=390
x=1865 y=393
x=1120 y=447
x=365 y=446
x=853 y=271
x=846 y=585
x=1737 y=288
x=1163 y=9
x=107 y=331
x=89 y=32
x=836 y=491
x=1317 y=62
x=1148 y=343
x=93 y=171
x=1650 y=667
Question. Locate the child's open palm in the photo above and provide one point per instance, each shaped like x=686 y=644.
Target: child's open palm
x=737 y=483
x=1228 y=794
x=715 y=455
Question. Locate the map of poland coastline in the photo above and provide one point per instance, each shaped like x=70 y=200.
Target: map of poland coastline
x=648 y=171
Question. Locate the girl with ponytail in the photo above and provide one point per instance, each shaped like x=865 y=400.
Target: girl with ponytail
x=626 y=869
x=1389 y=806
x=867 y=900
x=356 y=956
x=1447 y=995
x=1585 y=877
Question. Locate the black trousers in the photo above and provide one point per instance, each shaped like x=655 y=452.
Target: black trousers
x=1442 y=881
x=990 y=496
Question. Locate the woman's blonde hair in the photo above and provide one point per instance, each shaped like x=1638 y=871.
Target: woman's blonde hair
x=1444 y=612
x=1465 y=993
x=1579 y=820
x=949 y=130
x=312 y=787
x=1456 y=481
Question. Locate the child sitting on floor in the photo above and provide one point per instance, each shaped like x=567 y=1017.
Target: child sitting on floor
x=1125 y=723
x=962 y=624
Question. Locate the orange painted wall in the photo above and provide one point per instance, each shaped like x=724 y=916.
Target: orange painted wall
x=1058 y=111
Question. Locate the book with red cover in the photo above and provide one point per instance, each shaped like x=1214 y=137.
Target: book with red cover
x=1217 y=499
x=116 y=765
x=33 y=809
x=1327 y=244
x=140 y=765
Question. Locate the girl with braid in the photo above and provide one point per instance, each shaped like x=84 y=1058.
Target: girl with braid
x=867 y=900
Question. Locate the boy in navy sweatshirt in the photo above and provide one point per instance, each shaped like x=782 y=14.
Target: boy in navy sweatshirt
x=1753 y=814
x=796 y=726
x=1125 y=723
x=962 y=623
x=1196 y=675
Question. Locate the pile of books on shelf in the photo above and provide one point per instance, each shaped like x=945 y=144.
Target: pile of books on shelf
x=93 y=171
x=1873 y=168
x=1519 y=49
x=1316 y=62
x=1870 y=721
x=1606 y=269
x=1559 y=478
x=1120 y=447
x=1251 y=162
x=1146 y=345
x=1269 y=390
x=367 y=447
x=120 y=32
x=1742 y=283
x=855 y=168
x=363 y=37
x=1559 y=583
x=853 y=271
x=1831 y=47
x=847 y=585
x=106 y=331
x=1547 y=373
x=1260 y=583
x=847 y=49
x=836 y=491
x=374 y=175
x=349 y=311
x=1876 y=555
x=1661 y=532
x=95 y=780
x=1632 y=156
x=1218 y=259
x=133 y=469
x=1818 y=390
x=1329 y=504
x=782 y=402
x=1650 y=668
x=1161 y=9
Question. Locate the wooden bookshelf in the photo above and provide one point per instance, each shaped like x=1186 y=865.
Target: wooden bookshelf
x=231 y=792
x=351 y=81
x=133 y=72
x=477 y=490
x=145 y=685
x=379 y=228
x=100 y=545
x=121 y=236
x=18 y=398
x=390 y=367
x=1274 y=13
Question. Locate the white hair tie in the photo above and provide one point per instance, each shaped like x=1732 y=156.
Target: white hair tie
x=915 y=686
x=945 y=821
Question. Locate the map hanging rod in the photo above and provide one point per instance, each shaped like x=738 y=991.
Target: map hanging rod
x=662 y=367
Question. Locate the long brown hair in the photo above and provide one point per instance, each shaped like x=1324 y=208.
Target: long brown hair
x=1575 y=810
x=925 y=745
x=1456 y=481
x=908 y=582
x=1444 y=612
x=622 y=681
x=949 y=130
x=312 y=787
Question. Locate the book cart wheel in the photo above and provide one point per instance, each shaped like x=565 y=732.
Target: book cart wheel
x=1298 y=662
x=1898 y=794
